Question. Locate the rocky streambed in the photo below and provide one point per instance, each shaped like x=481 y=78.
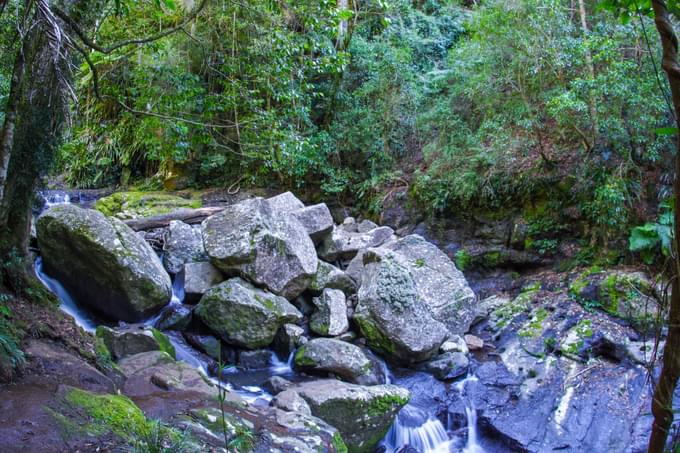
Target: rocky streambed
x=329 y=335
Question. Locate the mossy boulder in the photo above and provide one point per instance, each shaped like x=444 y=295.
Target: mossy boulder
x=345 y=360
x=132 y=340
x=244 y=315
x=268 y=247
x=103 y=263
x=329 y=276
x=624 y=294
x=362 y=414
x=391 y=314
x=83 y=412
x=136 y=204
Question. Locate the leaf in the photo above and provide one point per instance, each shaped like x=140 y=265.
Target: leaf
x=643 y=237
x=666 y=131
x=345 y=14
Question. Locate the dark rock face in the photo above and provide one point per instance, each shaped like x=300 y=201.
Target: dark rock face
x=103 y=263
x=565 y=379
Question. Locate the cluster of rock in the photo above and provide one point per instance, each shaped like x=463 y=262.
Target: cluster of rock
x=267 y=273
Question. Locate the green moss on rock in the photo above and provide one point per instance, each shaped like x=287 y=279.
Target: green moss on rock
x=164 y=343
x=126 y=205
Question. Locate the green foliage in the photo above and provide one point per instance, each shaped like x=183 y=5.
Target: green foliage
x=11 y=356
x=651 y=237
x=463 y=259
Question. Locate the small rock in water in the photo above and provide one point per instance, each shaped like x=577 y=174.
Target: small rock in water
x=474 y=343
x=276 y=385
x=255 y=360
x=174 y=317
x=447 y=366
x=454 y=344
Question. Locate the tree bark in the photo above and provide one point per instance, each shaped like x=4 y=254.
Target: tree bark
x=189 y=216
x=592 y=102
x=662 y=405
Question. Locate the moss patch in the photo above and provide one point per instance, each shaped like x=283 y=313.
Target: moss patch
x=105 y=414
x=127 y=205
x=164 y=343
x=338 y=444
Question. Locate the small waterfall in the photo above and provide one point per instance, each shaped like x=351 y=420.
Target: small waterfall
x=386 y=372
x=419 y=430
x=472 y=445
x=55 y=198
x=178 y=289
x=278 y=367
x=82 y=318
x=176 y=299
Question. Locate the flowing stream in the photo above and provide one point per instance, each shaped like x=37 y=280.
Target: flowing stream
x=415 y=426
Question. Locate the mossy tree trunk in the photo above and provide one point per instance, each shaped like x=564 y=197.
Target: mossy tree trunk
x=662 y=405
x=36 y=108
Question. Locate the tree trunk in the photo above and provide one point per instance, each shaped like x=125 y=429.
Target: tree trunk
x=592 y=102
x=34 y=117
x=662 y=406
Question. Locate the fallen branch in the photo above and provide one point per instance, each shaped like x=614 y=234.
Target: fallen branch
x=189 y=216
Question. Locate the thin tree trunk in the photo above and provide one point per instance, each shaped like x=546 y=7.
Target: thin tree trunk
x=591 y=70
x=662 y=406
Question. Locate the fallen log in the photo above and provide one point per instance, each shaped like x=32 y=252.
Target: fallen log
x=186 y=215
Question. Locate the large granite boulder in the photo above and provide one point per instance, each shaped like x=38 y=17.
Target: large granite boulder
x=440 y=285
x=244 y=315
x=345 y=360
x=344 y=245
x=362 y=414
x=183 y=244
x=330 y=317
x=263 y=244
x=102 y=262
x=391 y=314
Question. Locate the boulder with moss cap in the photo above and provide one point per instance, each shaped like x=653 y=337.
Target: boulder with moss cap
x=103 y=263
x=244 y=315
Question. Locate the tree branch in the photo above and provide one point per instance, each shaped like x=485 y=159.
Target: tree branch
x=107 y=50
